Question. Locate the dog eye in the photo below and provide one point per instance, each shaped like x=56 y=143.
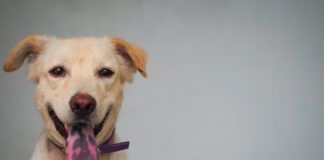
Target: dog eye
x=57 y=71
x=105 y=73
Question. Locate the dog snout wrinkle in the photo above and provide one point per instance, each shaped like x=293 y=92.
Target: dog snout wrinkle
x=82 y=105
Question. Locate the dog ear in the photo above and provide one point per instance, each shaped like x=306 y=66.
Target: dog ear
x=135 y=56
x=30 y=47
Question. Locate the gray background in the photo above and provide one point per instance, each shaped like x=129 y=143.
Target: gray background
x=228 y=79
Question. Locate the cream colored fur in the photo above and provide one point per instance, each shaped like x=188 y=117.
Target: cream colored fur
x=82 y=57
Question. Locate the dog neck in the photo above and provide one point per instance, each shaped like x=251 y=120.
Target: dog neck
x=106 y=147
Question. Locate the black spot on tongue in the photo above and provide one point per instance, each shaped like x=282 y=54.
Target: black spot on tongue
x=81 y=144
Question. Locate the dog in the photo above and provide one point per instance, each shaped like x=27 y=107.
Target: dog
x=79 y=90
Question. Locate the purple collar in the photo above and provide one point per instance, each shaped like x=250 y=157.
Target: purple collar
x=107 y=147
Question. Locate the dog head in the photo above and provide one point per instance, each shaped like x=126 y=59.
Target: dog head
x=78 y=80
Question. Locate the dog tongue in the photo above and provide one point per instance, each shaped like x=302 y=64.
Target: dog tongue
x=81 y=144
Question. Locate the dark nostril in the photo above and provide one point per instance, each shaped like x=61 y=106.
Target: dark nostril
x=76 y=106
x=82 y=104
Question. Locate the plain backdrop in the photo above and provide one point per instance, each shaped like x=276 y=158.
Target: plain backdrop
x=228 y=79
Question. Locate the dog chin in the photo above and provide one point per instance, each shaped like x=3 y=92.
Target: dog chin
x=62 y=128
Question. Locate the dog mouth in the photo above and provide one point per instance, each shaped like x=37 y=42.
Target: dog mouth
x=63 y=130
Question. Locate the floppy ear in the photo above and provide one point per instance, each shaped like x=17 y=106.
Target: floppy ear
x=30 y=47
x=134 y=55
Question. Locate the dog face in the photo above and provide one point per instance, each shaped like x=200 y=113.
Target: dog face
x=78 y=81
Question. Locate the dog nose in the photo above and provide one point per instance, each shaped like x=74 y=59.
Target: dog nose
x=82 y=104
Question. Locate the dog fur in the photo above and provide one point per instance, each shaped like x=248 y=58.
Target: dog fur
x=82 y=58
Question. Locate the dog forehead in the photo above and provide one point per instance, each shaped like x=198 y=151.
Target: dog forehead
x=87 y=48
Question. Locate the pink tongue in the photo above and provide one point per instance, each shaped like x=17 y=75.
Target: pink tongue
x=81 y=144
